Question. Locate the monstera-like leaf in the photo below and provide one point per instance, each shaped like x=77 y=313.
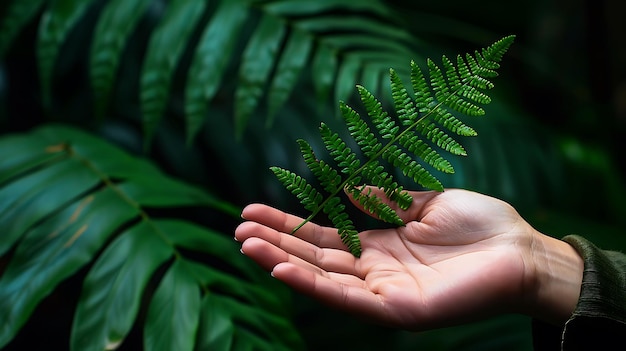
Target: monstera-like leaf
x=69 y=200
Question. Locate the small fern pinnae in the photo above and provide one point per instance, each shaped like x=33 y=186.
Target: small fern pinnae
x=415 y=138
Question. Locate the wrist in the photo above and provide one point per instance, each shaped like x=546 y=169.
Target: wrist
x=557 y=274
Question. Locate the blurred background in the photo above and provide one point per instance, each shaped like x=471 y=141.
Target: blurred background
x=550 y=143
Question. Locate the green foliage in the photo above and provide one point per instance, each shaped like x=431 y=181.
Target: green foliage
x=97 y=55
x=69 y=201
x=198 y=40
x=423 y=121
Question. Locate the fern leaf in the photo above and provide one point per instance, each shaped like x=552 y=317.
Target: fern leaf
x=164 y=51
x=378 y=177
x=360 y=131
x=423 y=98
x=433 y=133
x=373 y=204
x=308 y=195
x=385 y=125
x=339 y=150
x=405 y=108
x=424 y=121
x=411 y=168
x=447 y=96
x=335 y=211
x=417 y=146
x=451 y=123
x=328 y=176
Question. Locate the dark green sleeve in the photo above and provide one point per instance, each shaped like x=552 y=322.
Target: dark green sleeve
x=599 y=321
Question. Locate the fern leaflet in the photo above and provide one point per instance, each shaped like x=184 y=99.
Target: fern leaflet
x=425 y=122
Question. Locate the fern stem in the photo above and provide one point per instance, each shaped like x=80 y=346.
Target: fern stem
x=308 y=219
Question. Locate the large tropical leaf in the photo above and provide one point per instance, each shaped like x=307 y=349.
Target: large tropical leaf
x=338 y=43
x=69 y=200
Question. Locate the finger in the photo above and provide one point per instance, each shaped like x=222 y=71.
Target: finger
x=268 y=256
x=333 y=290
x=283 y=222
x=328 y=259
x=414 y=212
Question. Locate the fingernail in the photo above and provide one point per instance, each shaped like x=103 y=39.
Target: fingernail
x=272 y=274
x=241 y=250
x=235 y=238
x=243 y=216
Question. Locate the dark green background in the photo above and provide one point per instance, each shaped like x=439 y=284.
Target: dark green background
x=551 y=143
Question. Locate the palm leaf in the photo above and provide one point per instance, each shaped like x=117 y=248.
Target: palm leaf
x=257 y=62
x=292 y=61
x=56 y=22
x=164 y=51
x=115 y=26
x=336 y=38
x=17 y=15
x=205 y=71
x=69 y=199
x=174 y=313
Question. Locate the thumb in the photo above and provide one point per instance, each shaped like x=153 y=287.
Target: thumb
x=415 y=210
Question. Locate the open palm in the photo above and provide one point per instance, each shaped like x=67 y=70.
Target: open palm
x=461 y=256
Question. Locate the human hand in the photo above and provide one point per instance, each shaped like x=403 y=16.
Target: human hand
x=462 y=256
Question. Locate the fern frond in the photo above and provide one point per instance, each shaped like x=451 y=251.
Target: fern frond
x=425 y=120
x=374 y=204
x=328 y=176
x=307 y=194
x=313 y=200
x=411 y=168
x=415 y=145
x=339 y=150
x=335 y=211
x=377 y=176
x=360 y=131
x=451 y=123
x=385 y=125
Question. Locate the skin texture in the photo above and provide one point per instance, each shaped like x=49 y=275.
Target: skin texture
x=462 y=256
